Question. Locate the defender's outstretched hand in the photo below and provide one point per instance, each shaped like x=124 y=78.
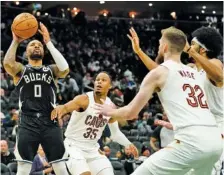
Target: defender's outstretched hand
x=134 y=40
x=58 y=114
x=104 y=109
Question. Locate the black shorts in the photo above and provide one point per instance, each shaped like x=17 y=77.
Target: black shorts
x=35 y=130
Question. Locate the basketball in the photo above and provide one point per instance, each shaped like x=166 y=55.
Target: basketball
x=25 y=25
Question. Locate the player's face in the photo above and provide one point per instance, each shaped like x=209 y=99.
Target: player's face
x=102 y=83
x=107 y=151
x=35 y=50
x=41 y=151
x=127 y=151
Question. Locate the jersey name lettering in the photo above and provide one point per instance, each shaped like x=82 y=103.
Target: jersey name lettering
x=95 y=121
x=186 y=74
x=37 y=77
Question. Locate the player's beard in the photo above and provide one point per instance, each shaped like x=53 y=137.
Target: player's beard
x=35 y=56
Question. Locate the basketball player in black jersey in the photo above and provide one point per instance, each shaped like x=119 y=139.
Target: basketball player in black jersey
x=36 y=86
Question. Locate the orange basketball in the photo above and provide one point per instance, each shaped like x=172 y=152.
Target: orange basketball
x=25 y=25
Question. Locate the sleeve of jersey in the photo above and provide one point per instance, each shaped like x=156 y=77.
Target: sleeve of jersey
x=58 y=57
x=117 y=135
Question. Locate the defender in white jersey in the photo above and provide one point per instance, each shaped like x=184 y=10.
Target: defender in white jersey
x=181 y=92
x=85 y=129
x=205 y=47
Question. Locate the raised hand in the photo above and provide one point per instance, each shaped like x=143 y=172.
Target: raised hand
x=134 y=40
x=44 y=32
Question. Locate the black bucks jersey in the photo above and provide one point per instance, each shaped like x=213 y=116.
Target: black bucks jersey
x=37 y=90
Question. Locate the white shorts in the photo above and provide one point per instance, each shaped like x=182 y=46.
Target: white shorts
x=179 y=157
x=81 y=161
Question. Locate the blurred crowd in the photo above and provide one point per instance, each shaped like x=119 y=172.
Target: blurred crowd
x=91 y=46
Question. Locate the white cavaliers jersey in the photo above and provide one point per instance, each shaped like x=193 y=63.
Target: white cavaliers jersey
x=183 y=97
x=215 y=99
x=86 y=128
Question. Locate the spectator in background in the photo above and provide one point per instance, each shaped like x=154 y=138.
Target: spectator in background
x=145 y=153
x=162 y=135
x=15 y=118
x=6 y=155
x=131 y=124
x=78 y=78
x=40 y=164
x=143 y=127
x=3 y=100
x=119 y=155
x=69 y=88
x=128 y=154
x=129 y=87
x=128 y=165
x=107 y=151
x=116 y=96
x=12 y=119
x=4 y=84
x=2 y=117
x=87 y=81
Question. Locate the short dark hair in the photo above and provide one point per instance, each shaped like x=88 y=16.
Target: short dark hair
x=105 y=73
x=176 y=38
x=212 y=40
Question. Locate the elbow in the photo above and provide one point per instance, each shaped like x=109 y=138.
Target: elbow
x=5 y=62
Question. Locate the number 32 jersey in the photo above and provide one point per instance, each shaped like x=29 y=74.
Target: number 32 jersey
x=183 y=97
x=37 y=90
x=86 y=128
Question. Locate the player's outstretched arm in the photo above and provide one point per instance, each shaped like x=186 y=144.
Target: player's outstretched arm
x=148 y=62
x=212 y=67
x=152 y=82
x=79 y=103
x=10 y=64
x=119 y=137
x=61 y=68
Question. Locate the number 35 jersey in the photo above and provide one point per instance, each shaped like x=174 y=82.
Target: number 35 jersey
x=37 y=90
x=183 y=97
x=86 y=128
